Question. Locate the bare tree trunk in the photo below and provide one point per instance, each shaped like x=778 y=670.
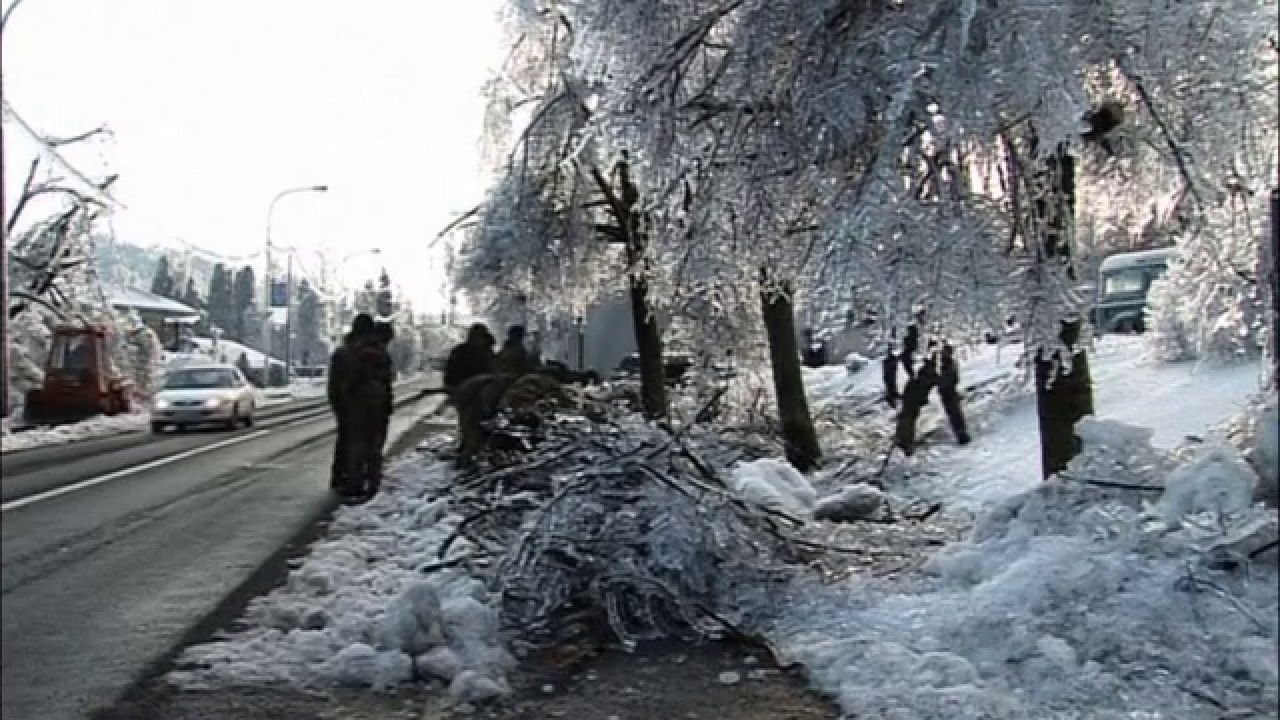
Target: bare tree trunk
x=788 y=383
x=653 y=385
x=653 y=388
x=1064 y=391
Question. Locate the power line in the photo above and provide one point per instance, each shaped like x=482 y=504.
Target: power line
x=52 y=149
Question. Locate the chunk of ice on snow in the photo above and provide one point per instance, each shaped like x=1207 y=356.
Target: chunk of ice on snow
x=413 y=620
x=360 y=665
x=1216 y=481
x=773 y=483
x=439 y=662
x=855 y=502
x=469 y=620
x=1058 y=651
x=471 y=686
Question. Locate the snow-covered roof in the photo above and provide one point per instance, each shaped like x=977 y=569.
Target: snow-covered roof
x=1138 y=259
x=142 y=300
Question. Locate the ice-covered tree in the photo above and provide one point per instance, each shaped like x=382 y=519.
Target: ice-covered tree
x=244 y=296
x=935 y=151
x=367 y=299
x=164 y=283
x=139 y=354
x=384 y=302
x=220 y=300
x=53 y=226
x=309 y=325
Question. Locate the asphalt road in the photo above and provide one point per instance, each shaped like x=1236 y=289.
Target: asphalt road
x=109 y=559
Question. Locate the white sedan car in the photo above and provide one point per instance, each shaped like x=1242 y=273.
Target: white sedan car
x=198 y=394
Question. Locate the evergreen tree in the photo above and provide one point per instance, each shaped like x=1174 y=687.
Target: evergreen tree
x=242 y=295
x=309 y=325
x=384 y=304
x=367 y=298
x=221 y=310
x=191 y=298
x=163 y=284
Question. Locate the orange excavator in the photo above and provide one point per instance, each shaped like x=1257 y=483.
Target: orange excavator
x=78 y=380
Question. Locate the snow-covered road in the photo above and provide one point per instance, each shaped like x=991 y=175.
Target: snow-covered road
x=101 y=582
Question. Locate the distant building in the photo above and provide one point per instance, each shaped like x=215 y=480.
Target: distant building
x=167 y=318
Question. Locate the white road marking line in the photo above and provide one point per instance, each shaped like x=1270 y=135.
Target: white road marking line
x=125 y=472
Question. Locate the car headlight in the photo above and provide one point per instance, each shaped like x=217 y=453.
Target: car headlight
x=214 y=402
x=162 y=404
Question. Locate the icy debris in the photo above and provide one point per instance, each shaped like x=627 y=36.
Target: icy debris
x=1058 y=651
x=470 y=686
x=1218 y=481
x=360 y=665
x=358 y=611
x=729 y=678
x=439 y=662
x=774 y=484
x=413 y=620
x=1069 y=600
x=853 y=503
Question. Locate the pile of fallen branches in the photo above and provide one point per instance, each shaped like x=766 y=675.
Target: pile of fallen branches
x=622 y=523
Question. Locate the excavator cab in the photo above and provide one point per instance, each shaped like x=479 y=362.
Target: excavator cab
x=78 y=380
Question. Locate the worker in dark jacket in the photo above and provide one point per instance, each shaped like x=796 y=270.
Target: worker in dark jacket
x=338 y=369
x=949 y=392
x=366 y=392
x=514 y=358
x=385 y=333
x=469 y=359
x=915 y=395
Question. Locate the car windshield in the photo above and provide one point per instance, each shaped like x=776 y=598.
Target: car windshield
x=198 y=379
x=1130 y=281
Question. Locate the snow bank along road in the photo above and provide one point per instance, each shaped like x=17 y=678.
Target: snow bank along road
x=113 y=552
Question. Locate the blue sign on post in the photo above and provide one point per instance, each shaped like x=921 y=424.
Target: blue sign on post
x=279 y=293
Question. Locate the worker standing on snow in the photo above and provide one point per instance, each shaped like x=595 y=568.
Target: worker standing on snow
x=361 y=326
x=939 y=369
x=949 y=392
x=469 y=359
x=514 y=358
x=366 y=396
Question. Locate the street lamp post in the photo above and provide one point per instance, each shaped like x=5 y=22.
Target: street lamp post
x=342 y=284
x=266 y=324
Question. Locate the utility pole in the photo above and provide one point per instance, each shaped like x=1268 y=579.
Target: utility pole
x=288 y=317
x=266 y=322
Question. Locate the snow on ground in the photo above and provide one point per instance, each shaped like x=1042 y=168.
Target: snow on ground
x=361 y=611
x=1175 y=400
x=1068 y=601
x=95 y=427
x=832 y=385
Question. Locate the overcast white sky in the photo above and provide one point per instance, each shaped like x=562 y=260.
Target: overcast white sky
x=217 y=105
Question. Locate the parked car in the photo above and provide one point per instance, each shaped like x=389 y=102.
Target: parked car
x=1123 y=282
x=199 y=394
